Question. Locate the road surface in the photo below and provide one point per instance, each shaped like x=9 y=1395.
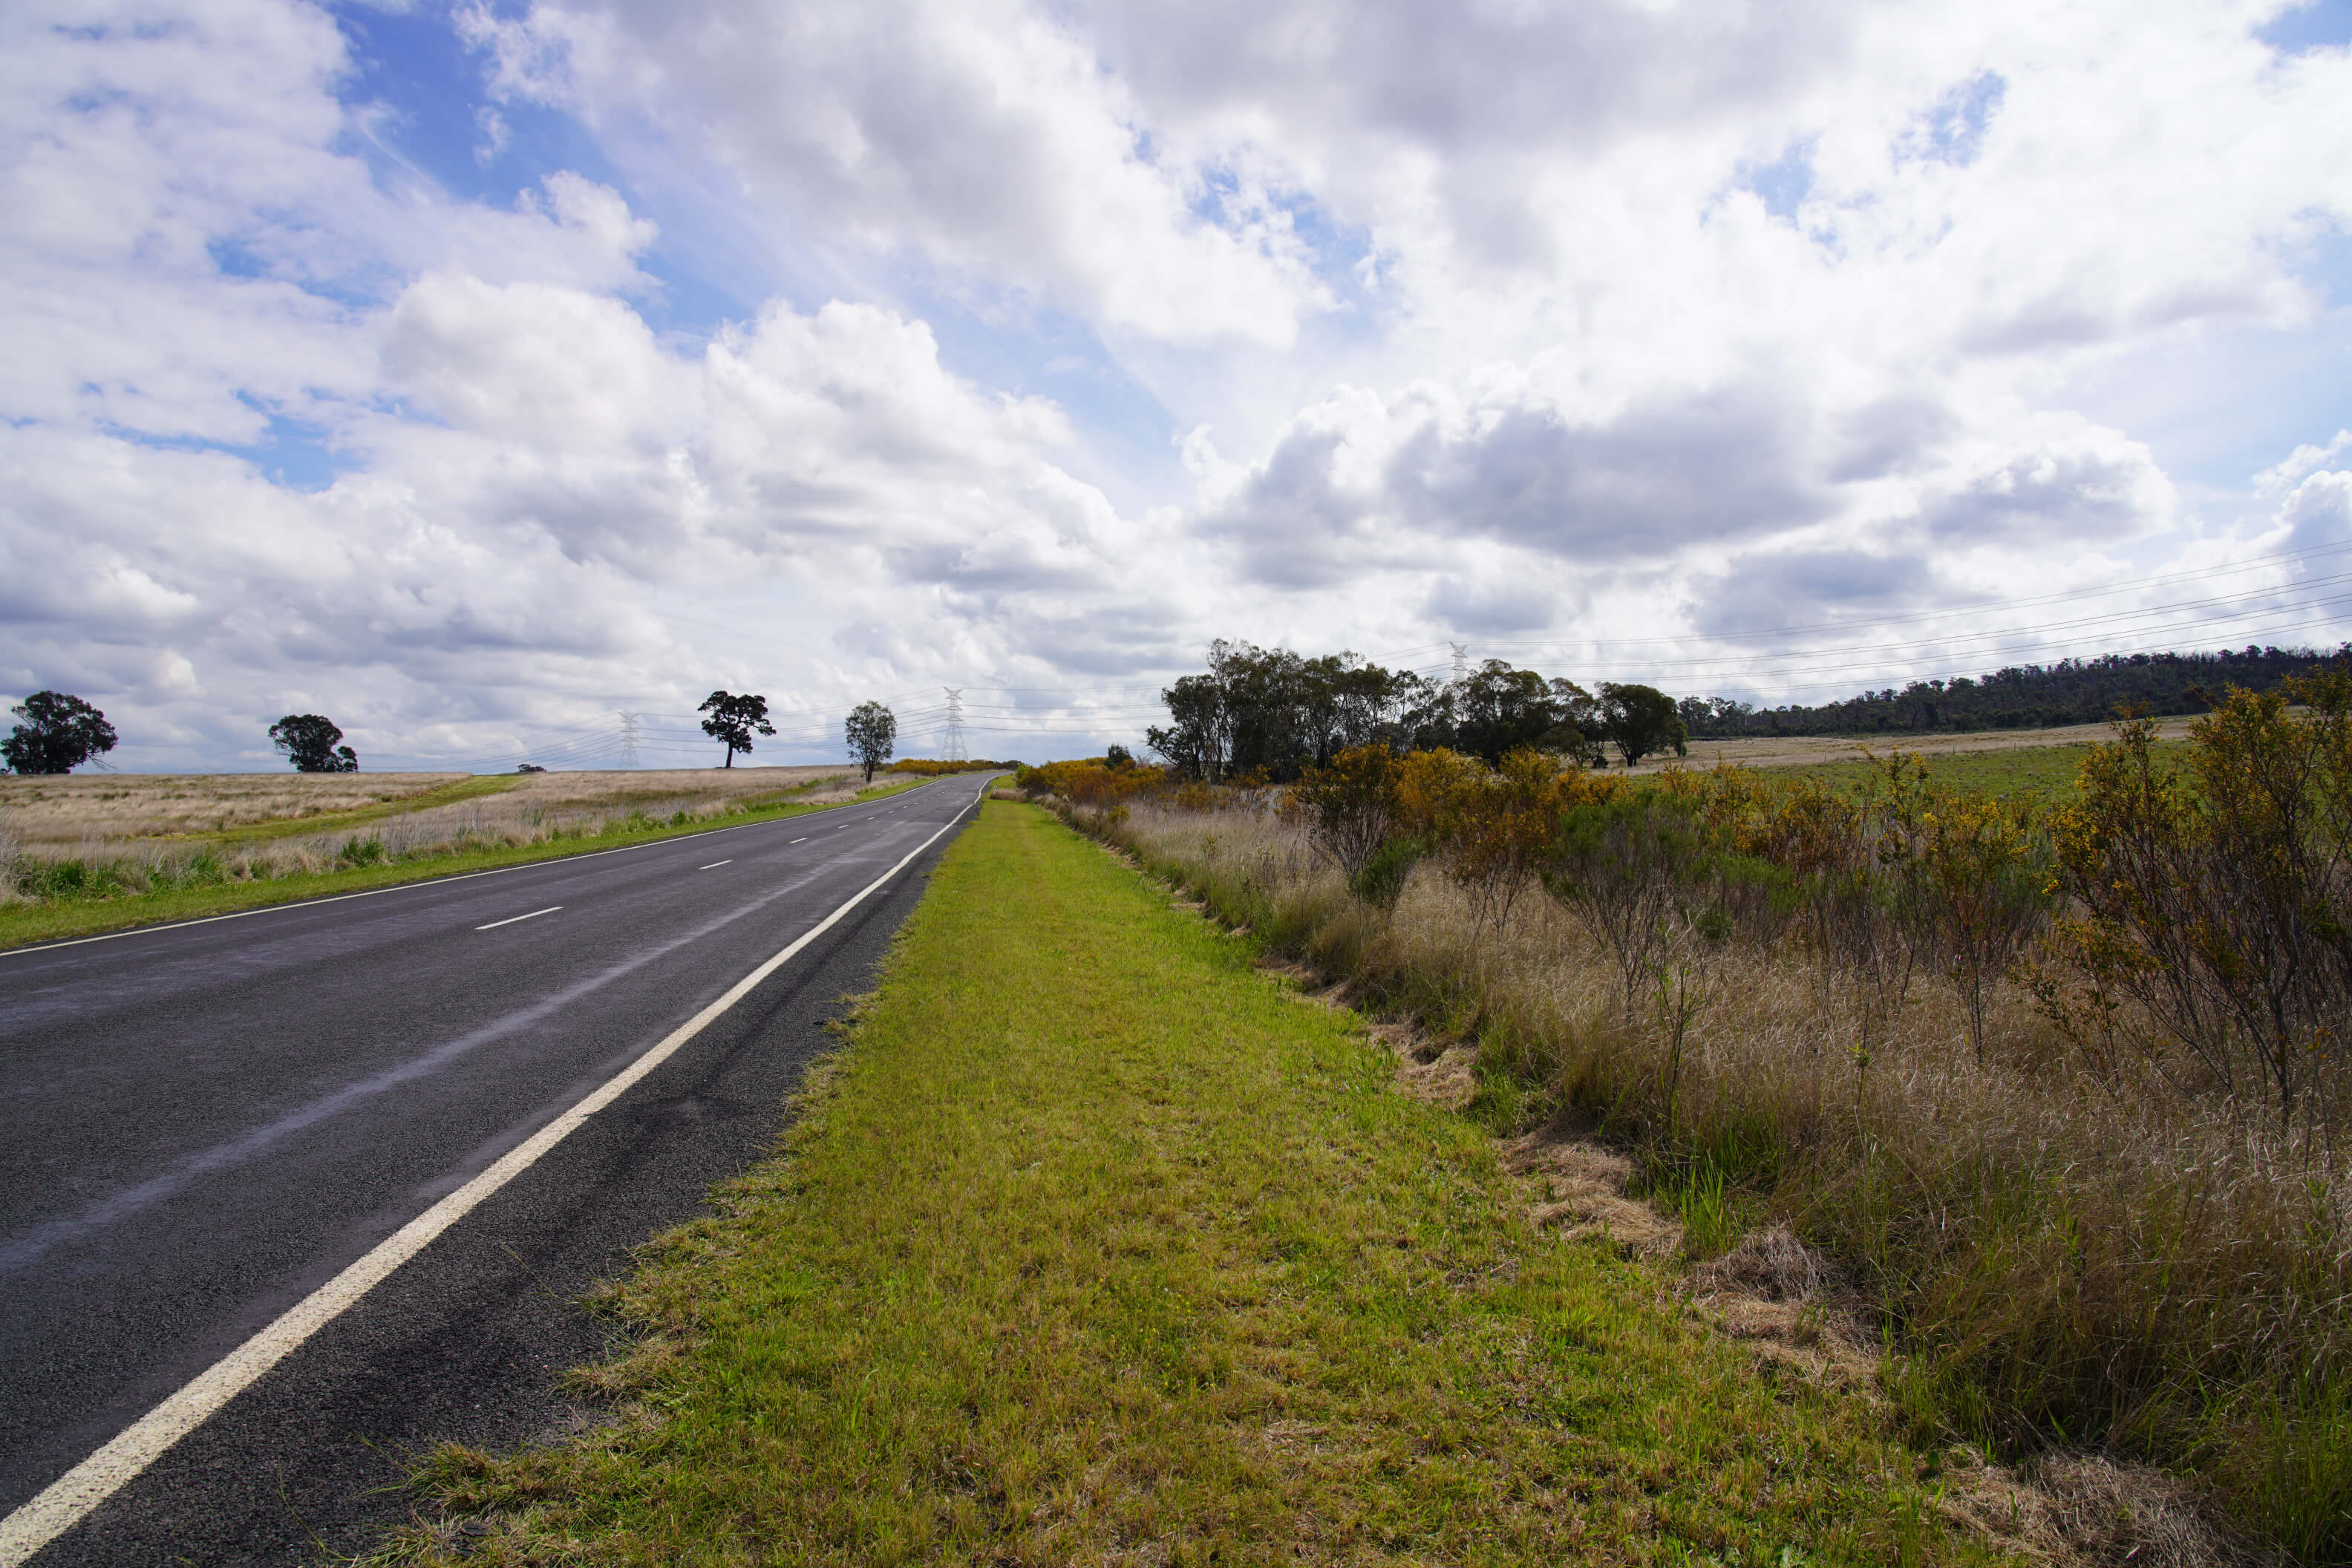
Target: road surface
x=203 y=1126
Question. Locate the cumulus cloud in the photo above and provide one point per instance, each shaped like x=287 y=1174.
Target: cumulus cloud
x=1658 y=322
x=986 y=134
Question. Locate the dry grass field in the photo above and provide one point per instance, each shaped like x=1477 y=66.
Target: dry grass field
x=109 y=839
x=68 y=809
x=81 y=814
x=1812 y=750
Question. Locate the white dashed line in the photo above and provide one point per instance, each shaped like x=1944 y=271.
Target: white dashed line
x=65 y=1501
x=714 y=865
x=512 y=919
x=796 y=841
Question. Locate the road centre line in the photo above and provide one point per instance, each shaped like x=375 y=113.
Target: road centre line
x=512 y=919
x=72 y=1497
x=714 y=865
x=796 y=841
x=404 y=887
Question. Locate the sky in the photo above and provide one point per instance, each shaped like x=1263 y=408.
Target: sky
x=476 y=375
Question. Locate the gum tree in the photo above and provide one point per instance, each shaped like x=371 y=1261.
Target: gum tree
x=872 y=731
x=734 y=720
x=307 y=740
x=55 y=734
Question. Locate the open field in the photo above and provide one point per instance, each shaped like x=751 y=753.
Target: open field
x=2043 y=775
x=74 y=812
x=1099 y=1244
x=1813 y=750
x=55 y=891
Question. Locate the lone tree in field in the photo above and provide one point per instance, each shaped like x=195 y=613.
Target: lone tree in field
x=309 y=739
x=56 y=734
x=734 y=720
x=1640 y=721
x=872 y=731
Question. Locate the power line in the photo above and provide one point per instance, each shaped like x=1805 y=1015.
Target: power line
x=955 y=724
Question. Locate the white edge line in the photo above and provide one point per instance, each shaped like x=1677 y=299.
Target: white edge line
x=65 y=1501
x=512 y=919
x=420 y=882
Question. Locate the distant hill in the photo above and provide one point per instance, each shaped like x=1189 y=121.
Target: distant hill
x=2023 y=696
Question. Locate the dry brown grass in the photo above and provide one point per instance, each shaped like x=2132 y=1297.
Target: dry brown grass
x=68 y=810
x=112 y=836
x=1812 y=750
x=73 y=812
x=2072 y=1252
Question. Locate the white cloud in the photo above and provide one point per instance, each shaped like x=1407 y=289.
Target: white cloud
x=1613 y=319
x=2283 y=475
x=986 y=135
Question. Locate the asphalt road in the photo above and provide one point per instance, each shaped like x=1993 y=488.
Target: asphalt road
x=201 y=1125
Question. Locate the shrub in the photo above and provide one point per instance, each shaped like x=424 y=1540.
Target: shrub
x=2217 y=898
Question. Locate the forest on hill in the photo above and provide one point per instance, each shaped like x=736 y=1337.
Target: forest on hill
x=2022 y=696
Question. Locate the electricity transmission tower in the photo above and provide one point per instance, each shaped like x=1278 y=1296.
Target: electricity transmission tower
x=955 y=722
x=1461 y=659
x=629 y=739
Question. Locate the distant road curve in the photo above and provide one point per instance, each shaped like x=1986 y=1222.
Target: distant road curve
x=285 y=1195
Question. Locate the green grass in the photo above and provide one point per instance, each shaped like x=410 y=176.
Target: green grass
x=2041 y=774
x=1095 y=1244
x=75 y=899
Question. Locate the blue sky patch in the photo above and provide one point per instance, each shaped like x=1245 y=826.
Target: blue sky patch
x=2321 y=24
x=1783 y=184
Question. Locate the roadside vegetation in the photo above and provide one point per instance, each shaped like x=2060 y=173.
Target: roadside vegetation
x=1098 y=1244
x=2056 y=1090
x=56 y=882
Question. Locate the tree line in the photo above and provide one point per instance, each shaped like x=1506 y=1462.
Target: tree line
x=2022 y=696
x=1271 y=713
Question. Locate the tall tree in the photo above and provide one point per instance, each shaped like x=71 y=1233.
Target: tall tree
x=1498 y=710
x=734 y=720
x=55 y=734
x=872 y=731
x=1195 y=739
x=309 y=742
x=1639 y=721
x=1272 y=711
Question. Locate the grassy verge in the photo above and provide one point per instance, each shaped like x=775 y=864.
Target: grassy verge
x=72 y=915
x=1099 y=1245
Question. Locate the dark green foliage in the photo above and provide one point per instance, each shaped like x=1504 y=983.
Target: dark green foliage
x=307 y=740
x=1382 y=881
x=1270 y=713
x=2022 y=696
x=55 y=734
x=1639 y=721
x=871 y=731
x=734 y=720
x=362 y=852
